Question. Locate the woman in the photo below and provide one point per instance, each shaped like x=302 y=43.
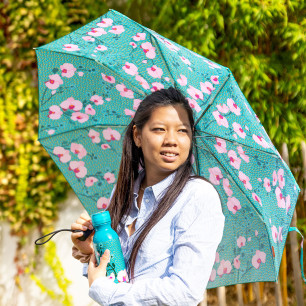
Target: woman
x=169 y=221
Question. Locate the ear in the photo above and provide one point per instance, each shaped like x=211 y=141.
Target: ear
x=136 y=136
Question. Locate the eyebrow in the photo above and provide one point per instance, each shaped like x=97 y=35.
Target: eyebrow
x=162 y=123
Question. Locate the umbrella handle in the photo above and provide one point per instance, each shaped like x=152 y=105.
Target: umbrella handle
x=82 y=238
x=301 y=257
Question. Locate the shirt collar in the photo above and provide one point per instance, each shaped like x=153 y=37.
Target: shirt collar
x=158 y=188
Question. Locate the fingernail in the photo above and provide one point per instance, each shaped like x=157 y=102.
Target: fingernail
x=84 y=227
x=90 y=227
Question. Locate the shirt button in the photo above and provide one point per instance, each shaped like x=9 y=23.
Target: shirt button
x=147 y=201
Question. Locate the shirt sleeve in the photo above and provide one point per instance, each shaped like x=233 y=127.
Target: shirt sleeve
x=198 y=233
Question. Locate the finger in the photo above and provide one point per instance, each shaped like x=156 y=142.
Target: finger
x=92 y=262
x=83 y=222
x=77 y=226
x=85 y=216
x=104 y=260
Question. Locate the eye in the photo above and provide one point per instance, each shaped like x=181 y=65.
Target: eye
x=158 y=129
x=183 y=130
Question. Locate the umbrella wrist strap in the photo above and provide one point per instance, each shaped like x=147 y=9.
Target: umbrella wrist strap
x=301 y=257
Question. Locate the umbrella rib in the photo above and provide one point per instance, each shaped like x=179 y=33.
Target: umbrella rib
x=82 y=128
x=230 y=177
x=235 y=142
x=212 y=99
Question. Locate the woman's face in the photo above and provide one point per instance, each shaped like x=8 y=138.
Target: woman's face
x=165 y=141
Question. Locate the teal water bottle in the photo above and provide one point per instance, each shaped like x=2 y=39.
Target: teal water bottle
x=106 y=238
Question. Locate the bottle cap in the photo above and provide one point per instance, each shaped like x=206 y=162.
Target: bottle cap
x=100 y=218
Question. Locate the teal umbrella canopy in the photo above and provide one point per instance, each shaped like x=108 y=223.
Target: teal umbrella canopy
x=90 y=85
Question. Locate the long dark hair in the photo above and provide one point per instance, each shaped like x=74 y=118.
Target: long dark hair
x=132 y=157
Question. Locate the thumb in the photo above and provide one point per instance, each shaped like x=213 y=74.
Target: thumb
x=104 y=260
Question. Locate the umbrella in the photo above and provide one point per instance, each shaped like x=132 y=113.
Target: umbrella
x=90 y=84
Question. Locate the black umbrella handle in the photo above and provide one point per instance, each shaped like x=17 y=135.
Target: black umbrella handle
x=86 y=234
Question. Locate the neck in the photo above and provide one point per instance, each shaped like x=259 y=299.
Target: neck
x=150 y=180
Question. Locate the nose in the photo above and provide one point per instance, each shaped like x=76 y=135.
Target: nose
x=170 y=138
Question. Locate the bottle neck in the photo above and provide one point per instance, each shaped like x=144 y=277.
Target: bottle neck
x=102 y=226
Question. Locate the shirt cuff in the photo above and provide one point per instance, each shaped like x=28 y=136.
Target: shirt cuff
x=102 y=289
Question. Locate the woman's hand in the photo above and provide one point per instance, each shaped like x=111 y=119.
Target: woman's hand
x=83 y=223
x=94 y=271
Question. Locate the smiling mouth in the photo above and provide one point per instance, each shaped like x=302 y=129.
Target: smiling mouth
x=169 y=154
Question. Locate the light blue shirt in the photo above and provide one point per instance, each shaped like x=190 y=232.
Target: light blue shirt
x=174 y=263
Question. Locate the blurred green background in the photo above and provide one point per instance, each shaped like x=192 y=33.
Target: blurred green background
x=262 y=42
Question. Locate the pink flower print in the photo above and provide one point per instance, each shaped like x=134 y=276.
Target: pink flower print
x=258 y=258
x=241 y=241
x=238 y=129
x=96 y=32
x=88 y=38
x=122 y=276
x=55 y=112
x=94 y=135
x=260 y=141
x=222 y=121
x=62 y=154
x=233 y=205
x=125 y=92
x=78 y=168
x=80 y=73
x=108 y=78
x=185 y=60
x=207 y=87
x=51 y=132
x=142 y=82
x=129 y=112
x=211 y=64
x=234 y=160
x=215 y=175
x=280 y=234
x=89 y=110
x=224 y=268
x=68 y=70
x=109 y=177
x=105 y=146
x=242 y=154
x=256 y=233
x=102 y=203
x=195 y=93
x=249 y=239
x=133 y=44
x=214 y=79
x=193 y=104
x=54 y=81
x=280 y=198
x=222 y=108
x=136 y=103
x=139 y=36
x=148 y=49
x=80 y=117
x=97 y=100
x=182 y=81
x=267 y=184
x=274 y=178
x=213 y=274
x=157 y=86
x=78 y=149
x=155 y=72
x=245 y=180
x=53 y=92
x=217 y=257
x=105 y=22
x=90 y=181
x=170 y=46
x=111 y=135
x=259 y=180
x=256 y=198
x=130 y=68
x=288 y=205
x=71 y=104
x=101 y=48
x=117 y=29
x=233 y=107
x=237 y=262
x=221 y=145
x=227 y=187
x=112 y=277
x=281 y=179
x=71 y=47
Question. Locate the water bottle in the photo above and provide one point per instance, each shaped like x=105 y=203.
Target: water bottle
x=106 y=238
